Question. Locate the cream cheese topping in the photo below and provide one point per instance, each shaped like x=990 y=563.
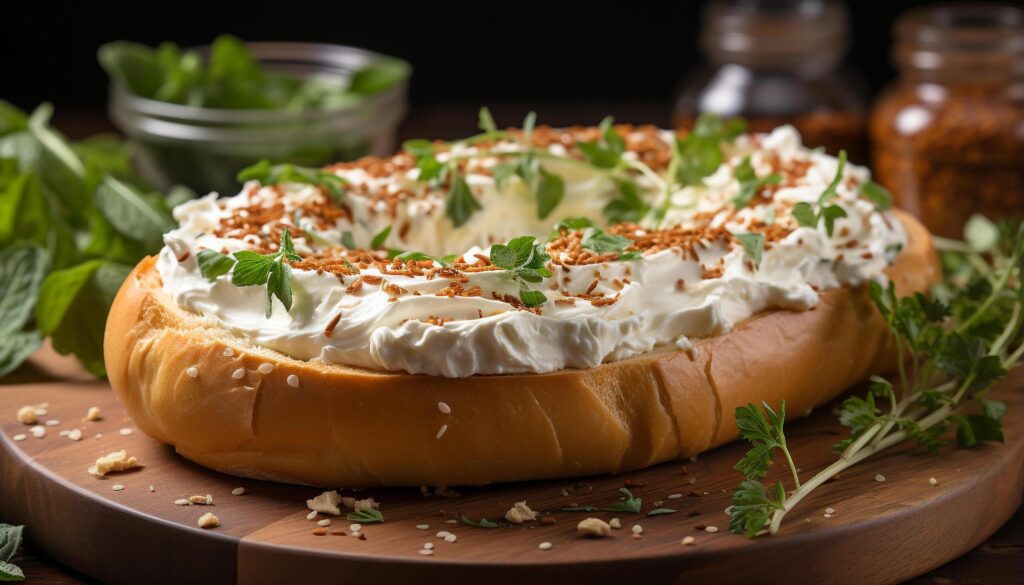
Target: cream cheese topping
x=662 y=297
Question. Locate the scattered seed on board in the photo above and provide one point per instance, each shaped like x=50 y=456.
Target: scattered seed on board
x=879 y=477
x=93 y=414
x=293 y=380
x=20 y=437
x=208 y=520
x=324 y=522
x=125 y=432
x=117 y=487
x=827 y=515
x=152 y=489
x=689 y=540
x=52 y=422
x=444 y=408
x=75 y=435
x=238 y=491
x=311 y=515
x=428 y=545
x=355 y=527
x=637 y=529
x=38 y=431
x=426 y=552
x=615 y=523
x=933 y=481
x=238 y=374
x=423 y=526
x=830 y=510
x=64 y=433
x=545 y=546
x=182 y=502
x=711 y=529
x=451 y=538
x=674 y=496
x=443 y=534
x=442 y=431
x=266 y=368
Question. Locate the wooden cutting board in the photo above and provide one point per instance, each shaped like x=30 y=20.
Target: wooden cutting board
x=880 y=531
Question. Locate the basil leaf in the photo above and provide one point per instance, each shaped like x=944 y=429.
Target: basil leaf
x=133 y=66
x=61 y=170
x=213 y=264
x=10 y=572
x=22 y=270
x=16 y=347
x=429 y=168
x=10 y=541
x=380 y=237
x=131 y=214
x=27 y=215
x=72 y=309
x=550 y=191
x=461 y=203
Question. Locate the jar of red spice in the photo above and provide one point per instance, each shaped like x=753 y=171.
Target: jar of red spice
x=948 y=136
x=778 y=62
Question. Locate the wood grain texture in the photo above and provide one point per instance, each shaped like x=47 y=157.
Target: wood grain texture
x=136 y=535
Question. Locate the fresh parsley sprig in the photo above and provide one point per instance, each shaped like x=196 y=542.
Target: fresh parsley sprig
x=524 y=259
x=267 y=174
x=808 y=215
x=251 y=269
x=952 y=346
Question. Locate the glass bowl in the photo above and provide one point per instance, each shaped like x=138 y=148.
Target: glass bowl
x=204 y=148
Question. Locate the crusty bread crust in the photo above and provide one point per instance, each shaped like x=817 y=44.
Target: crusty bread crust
x=348 y=427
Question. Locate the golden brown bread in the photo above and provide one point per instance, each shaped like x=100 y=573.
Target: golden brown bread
x=347 y=427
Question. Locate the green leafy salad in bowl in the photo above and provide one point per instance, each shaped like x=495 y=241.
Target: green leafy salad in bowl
x=201 y=115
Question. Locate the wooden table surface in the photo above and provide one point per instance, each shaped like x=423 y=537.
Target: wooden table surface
x=1000 y=559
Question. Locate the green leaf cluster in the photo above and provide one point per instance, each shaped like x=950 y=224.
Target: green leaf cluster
x=268 y=174
x=230 y=78
x=823 y=211
x=73 y=219
x=525 y=259
x=252 y=269
x=10 y=542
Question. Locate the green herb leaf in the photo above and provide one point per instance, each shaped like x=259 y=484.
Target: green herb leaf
x=365 y=516
x=629 y=503
x=753 y=246
x=380 y=237
x=266 y=174
x=348 y=240
x=830 y=192
x=749 y=183
x=606 y=152
x=379 y=76
x=22 y=269
x=550 y=190
x=752 y=507
x=877 y=194
x=10 y=541
x=532 y=298
x=981 y=234
x=132 y=213
x=461 y=203
x=486 y=122
x=579 y=509
x=804 y=214
x=481 y=523
x=628 y=206
x=661 y=511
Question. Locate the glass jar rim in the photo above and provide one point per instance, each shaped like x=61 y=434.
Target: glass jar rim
x=963 y=27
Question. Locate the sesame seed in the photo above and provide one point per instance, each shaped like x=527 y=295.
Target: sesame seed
x=637 y=529
x=711 y=529
x=423 y=526
x=689 y=540
x=42 y=412
x=228 y=352
x=75 y=435
x=117 y=487
x=444 y=408
x=125 y=432
x=879 y=477
x=359 y=536
x=545 y=546
x=152 y=489
x=442 y=431
x=266 y=368
x=182 y=502
x=324 y=522
x=615 y=523
x=451 y=538
x=238 y=491
x=428 y=545
x=827 y=515
x=238 y=374
x=933 y=481
x=452 y=521
x=98 y=436
x=93 y=414
x=830 y=510
x=52 y=422
x=19 y=437
x=355 y=527
x=311 y=515
x=426 y=552
x=64 y=433
x=293 y=380
x=192 y=371
x=38 y=431
x=443 y=534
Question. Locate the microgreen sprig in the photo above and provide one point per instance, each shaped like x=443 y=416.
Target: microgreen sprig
x=524 y=259
x=267 y=174
x=808 y=215
x=365 y=516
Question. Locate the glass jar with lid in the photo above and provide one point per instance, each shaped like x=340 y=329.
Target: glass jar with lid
x=948 y=135
x=778 y=62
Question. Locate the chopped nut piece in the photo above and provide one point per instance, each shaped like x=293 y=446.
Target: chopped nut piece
x=355 y=527
x=206 y=500
x=615 y=523
x=326 y=503
x=208 y=520
x=637 y=529
x=519 y=513
x=52 y=422
x=112 y=462
x=423 y=526
x=594 y=527
x=426 y=552
x=320 y=531
x=27 y=415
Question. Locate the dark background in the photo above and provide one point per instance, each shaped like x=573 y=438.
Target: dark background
x=480 y=53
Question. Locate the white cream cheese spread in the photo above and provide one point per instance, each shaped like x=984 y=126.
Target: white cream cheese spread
x=688 y=273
